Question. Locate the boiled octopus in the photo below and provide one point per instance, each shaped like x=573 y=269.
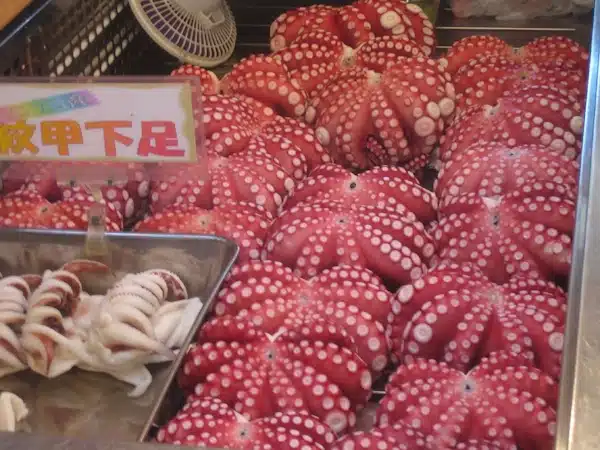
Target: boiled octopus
x=493 y=169
x=208 y=81
x=483 y=77
x=14 y=300
x=210 y=422
x=528 y=114
x=125 y=186
x=236 y=124
x=49 y=337
x=402 y=436
x=365 y=118
x=253 y=156
x=247 y=177
x=311 y=237
x=540 y=50
x=286 y=79
x=385 y=187
x=362 y=117
x=301 y=367
x=351 y=298
x=503 y=400
x=244 y=223
x=26 y=208
x=527 y=231
x=456 y=315
x=312 y=44
x=356 y=24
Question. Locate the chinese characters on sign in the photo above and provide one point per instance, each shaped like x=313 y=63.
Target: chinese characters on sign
x=157 y=137
x=144 y=122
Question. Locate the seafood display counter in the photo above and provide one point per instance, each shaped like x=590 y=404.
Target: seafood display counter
x=411 y=205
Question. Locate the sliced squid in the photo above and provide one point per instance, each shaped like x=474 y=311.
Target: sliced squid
x=14 y=295
x=49 y=338
x=12 y=411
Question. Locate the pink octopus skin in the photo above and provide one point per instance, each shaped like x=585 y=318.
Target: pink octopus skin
x=209 y=422
x=127 y=192
x=495 y=169
x=245 y=224
x=402 y=436
x=503 y=400
x=267 y=79
x=351 y=298
x=547 y=48
x=209 y=82
x=26 y=208
x=398 y=115
x=527 y=231
x=356 y=24
x=473 y=47
x=457 y=315
x=541 y=115
x=302 y=368
x=384 y=187
x=485 y=79
x=315 y=56
x=234 y=125
x=250 y=177
x=311 y=237
x=540 y=50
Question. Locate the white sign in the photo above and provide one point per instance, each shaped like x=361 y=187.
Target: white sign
x=99 y=121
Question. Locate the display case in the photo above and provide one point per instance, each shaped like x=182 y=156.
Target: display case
x=102 y=37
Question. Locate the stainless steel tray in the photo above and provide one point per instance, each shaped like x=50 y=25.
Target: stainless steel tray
x=92 y=405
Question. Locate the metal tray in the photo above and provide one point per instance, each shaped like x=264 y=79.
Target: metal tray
x=90 y=405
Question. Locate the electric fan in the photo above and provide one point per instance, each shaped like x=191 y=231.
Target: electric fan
x=199 y=32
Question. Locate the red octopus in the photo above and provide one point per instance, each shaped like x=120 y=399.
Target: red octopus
x=502 y=400
x=244 y=223
x=245 y=177
x=456 y=315
x=312 y=237
x=495 y=169
x=357 y=23
x=209 y=422
x=385 y=187
x=26 y=208
x=351 y=298
x=125 y=186
x=209 y=82
x=302 y=367
x=526 y=231
x=365 y=118
x=530 y=114
x=402 y=436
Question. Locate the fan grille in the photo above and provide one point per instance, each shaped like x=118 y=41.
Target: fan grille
x=202 y=40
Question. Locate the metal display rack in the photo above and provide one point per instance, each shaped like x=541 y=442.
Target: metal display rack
x=102 y=37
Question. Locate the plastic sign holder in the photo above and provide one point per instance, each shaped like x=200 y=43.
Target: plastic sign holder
x=116 y=120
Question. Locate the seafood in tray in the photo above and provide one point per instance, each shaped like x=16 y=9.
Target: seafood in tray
x=352 y=271
x=89 y=344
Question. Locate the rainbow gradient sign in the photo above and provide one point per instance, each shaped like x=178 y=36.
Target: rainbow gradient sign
x=152 y=121
x=55 y=104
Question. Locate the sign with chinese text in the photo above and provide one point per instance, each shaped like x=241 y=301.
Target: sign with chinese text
x=99 y=121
